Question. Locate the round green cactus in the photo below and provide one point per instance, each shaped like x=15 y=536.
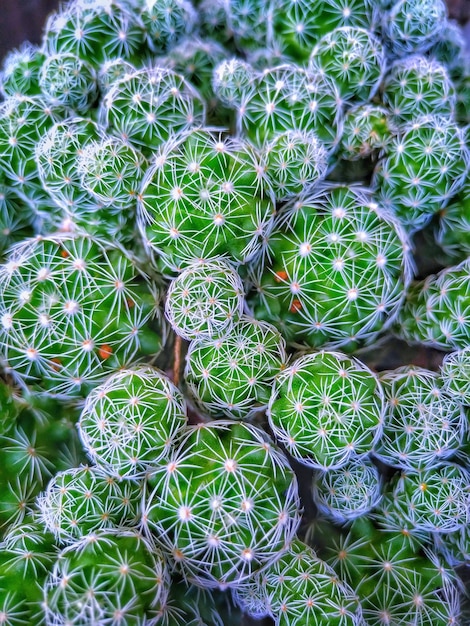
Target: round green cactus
x=435 y=500
x=286 y=98
x=17 y=220
x=350 y=491
x=423 y=425
x=205 y=300
x=225 y=505
x=232 y=376
x=130 y=422
x=232 y=81
x=367 y=131
x=434 y=312
x=69 y=81
x=303 y=590
x=353 y=58
x=95 y=31
x=83 y=500
x=417 y=86
x=207 y=184
x=151 y=106
x=327 y=409
x=412 y=26
x=71 y=312
x=20 y=71
x=455 y=375
x=106 y=577
x=112 y=71
x=422 y=170
x=167 y=22
x=334 y=270
x=295 y=162
x=453 y=230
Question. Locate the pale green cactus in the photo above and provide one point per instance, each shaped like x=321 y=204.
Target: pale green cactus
x=130 y=422
x=327 y=409
x=225 y=505
x=205 y=300
x=72 y=312
x=20 y=71
x=455 y=375
x=232 y=376
x=84 y=500
x=206 y=183
x=367 y=131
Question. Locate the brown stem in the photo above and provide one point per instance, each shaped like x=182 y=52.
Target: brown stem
x=177 y=351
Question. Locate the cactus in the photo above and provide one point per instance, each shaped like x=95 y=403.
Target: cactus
x=225 y=504
x=353 y=58
x=424 y=425
x=207 y=184
x=232 y=376
x=106 y=577
x=167 y=22
x=455 y=375
x=72 y=312
x=84 y=500
x=327 y=409
x=335 y=269
x=452 y=231
x=367 y=131
x=434 y=310
x=422 y=169
x=416 y=86
x=20 y=73
x=130 y=423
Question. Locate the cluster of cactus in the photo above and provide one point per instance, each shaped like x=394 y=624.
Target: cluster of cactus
x=212 y=216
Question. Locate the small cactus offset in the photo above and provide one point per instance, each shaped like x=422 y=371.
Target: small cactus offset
x=235 y=315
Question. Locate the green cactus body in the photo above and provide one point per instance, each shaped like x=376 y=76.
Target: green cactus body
x=70 y=81
x=167 y=22
x=303 y=590
x=109 y=577
x=394 y=584
x=151 y=106
x=423 y=425
x=294 y=163
x=205 y=184
x=353 y=58
x=130 y=423
x=84 y=500
x=17 y=220
x=72 y=312
x=232 y=376
x=335 y=269
x=350 y=491
x=27 y=555
x=225 y=505
x=416 y=86
x=251 y=22
x=23 y=121
x=8 y=407
x=20 y=71
x=435 y=500
x=298 y=25
x=95 y=31
x=412 y=26
x=233 y=81
x=327 y=409
x=453 y=231
x=455 y=375
x=367 y=131
x=286 y=98
x=205 y=300
x=112 y=71
x=435 y=310
x=422 y=169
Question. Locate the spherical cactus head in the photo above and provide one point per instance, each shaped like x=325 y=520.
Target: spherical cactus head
x=455 y=375
x=107 y=576
x=223 y=471
x=205 y=300
x=232 y=81
x=20 y=71
x=232 y=376
x=130 y=422
x=83 y=500
x=206 y=183
x=353 y=58
x=295 y=161
x=334 y=270
x=367 y=130
x=309 y=396
x=70 y=81
x=73 y=311
x=167 y=22
x=424 y=425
